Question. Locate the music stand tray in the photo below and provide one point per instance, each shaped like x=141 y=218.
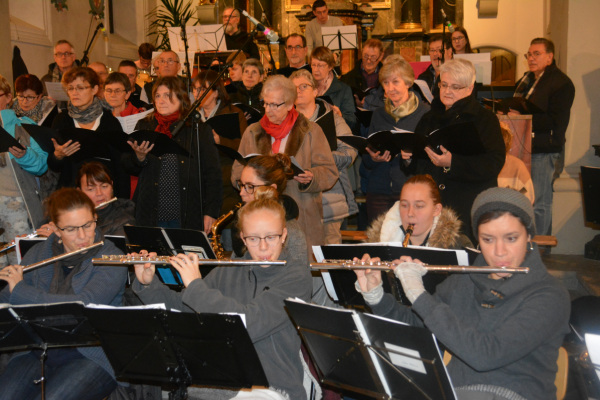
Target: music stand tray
x=370 y=355
x=179 y=349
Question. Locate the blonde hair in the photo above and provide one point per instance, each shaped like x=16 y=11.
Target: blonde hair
x=265 y=198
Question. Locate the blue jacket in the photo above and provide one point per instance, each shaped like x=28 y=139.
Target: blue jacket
x=35 y=160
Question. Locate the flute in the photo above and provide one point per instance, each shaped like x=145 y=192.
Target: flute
x=127 y=260
x=13 y=243
x=107 y=202
x=409 y=232
x=387 y=266
x=51 y=260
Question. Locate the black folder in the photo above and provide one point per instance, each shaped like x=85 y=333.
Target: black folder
x=364 y=116
x=226 y=125
x=162 y=143
x=252 y=114
x=235 y=155
x=327 y=124
x=43 y=136
x=7 y=141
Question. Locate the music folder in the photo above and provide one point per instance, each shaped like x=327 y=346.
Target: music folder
x=169 y=242
x=371 y=355
x=235 y=155
x=327 y=124
x=226 y=125
x=42 y=135
x=520 y=104
x=252 y=114
x=364 y=116
x=162 y=143
x=7 y=141
x=340 y=283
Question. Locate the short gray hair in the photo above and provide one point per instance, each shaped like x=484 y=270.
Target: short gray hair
x=276 y=83
x=302 y=73
x=461 y=70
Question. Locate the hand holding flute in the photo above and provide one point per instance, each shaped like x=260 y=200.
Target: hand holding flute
x=186 y=265
x=12 y=274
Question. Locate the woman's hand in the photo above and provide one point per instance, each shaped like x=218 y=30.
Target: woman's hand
x=410 y=272
x=65 y=150
x=336 y=110
x=187 y=266
x=144 y=272
x=304 y=178
x=17 y=152
x=440 y=160
x=45 y=230
x=406 y=155
x=12 y=274
x=368 y=279
x=141 y=150
x=378 y=157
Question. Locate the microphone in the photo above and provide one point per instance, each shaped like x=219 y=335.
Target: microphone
x=270 y=34
x=447 y=23
x=101 y=27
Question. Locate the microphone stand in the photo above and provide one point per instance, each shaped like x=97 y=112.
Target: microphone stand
x=194 y=115
x=188 y=81
x=85 y=59
x=442 y=60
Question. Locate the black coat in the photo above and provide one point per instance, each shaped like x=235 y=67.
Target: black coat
x=68 y=169
x=240 y=40
x=356 y=80
x=468 y=175
x=147 y=191
x=554 y=94
x=240 y=95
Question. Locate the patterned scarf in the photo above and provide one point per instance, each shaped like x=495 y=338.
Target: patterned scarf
x=56 y=74
x=525 y=85
x=404 y=109
x=278 y=132
x=88 y=115
x=36 y=113
x=165 y=122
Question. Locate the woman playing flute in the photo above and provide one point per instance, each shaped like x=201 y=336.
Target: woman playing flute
x=503 y=330
x=71 y=373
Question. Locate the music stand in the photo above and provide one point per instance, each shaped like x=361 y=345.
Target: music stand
x=42 y=327
x=340 y=37
x=178 y=349
x=370 y=355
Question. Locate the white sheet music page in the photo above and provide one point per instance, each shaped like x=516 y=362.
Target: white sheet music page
x=129 y=122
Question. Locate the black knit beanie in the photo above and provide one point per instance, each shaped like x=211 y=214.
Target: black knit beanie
x=503 y=199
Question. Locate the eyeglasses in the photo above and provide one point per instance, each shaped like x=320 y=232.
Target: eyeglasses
x=3 y=94
x=169 y=62
x=271 y=240
x=319 y=66
x=249 y=188
x=71 y=230
x=292 y=48
x=26 y=98
x=65 y=54
x=271 y=105
x=458 y=38
x=371 y=58
x=304 y=86
x=115 y=91
x=452 y=88
x=433 y=51
x=535 y=54
x=230 y=16
x=77 y=89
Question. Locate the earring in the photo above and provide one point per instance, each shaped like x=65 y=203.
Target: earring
x=59 y=241
x=530 y=246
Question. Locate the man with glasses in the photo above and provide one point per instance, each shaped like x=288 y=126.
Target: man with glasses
x=64 y=60
x=553 y=92
x=166 y=64
x=236 y=38
x=314 y=37
x=365 y=75
x=432 y=74
x=295 y=50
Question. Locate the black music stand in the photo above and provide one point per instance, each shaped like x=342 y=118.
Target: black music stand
x=178 y=349
x=42 y=327
x=372 y=356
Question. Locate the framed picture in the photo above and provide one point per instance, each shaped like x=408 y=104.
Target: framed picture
x=296 y=5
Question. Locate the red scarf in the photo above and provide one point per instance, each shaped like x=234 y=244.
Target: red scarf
x=278 y=132
x=165 y=122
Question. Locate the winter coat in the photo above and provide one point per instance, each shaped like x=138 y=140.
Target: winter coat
x=307 y=143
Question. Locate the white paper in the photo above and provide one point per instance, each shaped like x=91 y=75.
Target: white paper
x=401 y=357
x=129 y=122
x=593 y=345
x=325 y=274
x=157 y=306
x=482 y=64
x=425 y=89
x=348 y=39
x=56 y=91
x=242 y=316
x=200 y=38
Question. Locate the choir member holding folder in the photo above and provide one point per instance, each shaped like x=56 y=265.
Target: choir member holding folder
x=168 y=192
x=402 y=110
x=461 y=177
x=83 y=128
x=503 y=330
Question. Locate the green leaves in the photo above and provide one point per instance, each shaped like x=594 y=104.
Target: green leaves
x=167 y=14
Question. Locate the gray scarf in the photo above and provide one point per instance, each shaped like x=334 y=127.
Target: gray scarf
x=88 y=115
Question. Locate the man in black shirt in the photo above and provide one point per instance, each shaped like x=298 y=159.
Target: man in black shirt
x=295 y=50
x=235 y=38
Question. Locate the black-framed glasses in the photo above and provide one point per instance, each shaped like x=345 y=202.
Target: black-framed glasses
x=115 y=91
x=271 y=240
x=248 y=187
x=304 y=86
x=458 y=38
x=26 y=98
x=65 y=54
x=370 y=58
x=87 y=227
x=271 y=105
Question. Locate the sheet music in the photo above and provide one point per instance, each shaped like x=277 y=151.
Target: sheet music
x=56 y=91
x=200 y=38
x=129 y=122
x=424 y=89
x=593 y=345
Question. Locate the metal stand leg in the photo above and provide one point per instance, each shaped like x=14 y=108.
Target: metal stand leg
x=42 y=380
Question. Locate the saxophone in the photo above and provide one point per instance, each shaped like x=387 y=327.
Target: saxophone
x=215 y=240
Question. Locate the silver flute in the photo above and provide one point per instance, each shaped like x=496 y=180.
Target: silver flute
x=387 y=266
x=128 y=260
x=13 y=243
x=51 y=260
x=107 y=202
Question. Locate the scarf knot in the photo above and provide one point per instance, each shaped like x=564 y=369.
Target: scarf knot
x=165 y=122
x=87 y=115
x=278 y=132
